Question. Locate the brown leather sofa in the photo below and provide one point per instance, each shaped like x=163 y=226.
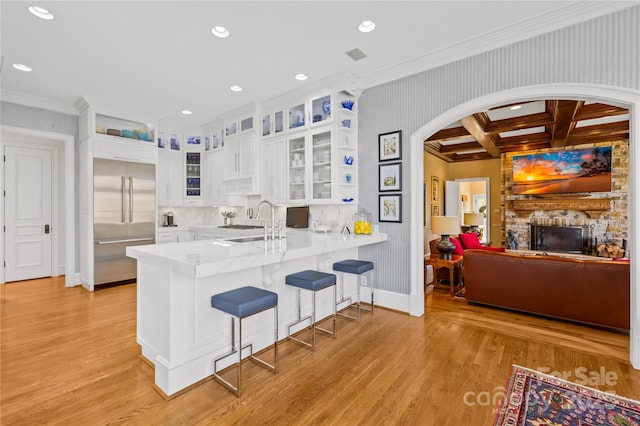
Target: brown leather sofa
x=588 y=291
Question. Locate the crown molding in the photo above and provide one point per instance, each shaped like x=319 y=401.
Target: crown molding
x=37 y=102
x=566 y=16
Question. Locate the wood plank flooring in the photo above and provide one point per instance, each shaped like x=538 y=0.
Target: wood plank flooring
x=70 y=357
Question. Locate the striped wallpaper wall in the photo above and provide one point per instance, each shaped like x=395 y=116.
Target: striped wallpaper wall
x=603 y=51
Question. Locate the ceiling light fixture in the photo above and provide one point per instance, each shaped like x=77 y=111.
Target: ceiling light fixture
x=301 y=77
x=220 y=32
x=22 y=67
x=366 y=26
x=186 y=112
x=236 y=88
x=41 y=13
x=515 y=107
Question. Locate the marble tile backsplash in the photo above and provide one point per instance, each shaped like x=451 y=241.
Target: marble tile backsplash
x=333 y=215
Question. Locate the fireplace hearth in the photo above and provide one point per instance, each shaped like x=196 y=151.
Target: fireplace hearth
x=563 y=239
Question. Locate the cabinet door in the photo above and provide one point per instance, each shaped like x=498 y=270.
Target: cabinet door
x=162 y=179
x=183 y=236
x=175 y=179
x=214 y=176
x=274 y=171
x=321 y=109
x=245 y=155
x=297 y=169
x=231 y=157
x=169 y=179
x=166 y=237
x=322 y=170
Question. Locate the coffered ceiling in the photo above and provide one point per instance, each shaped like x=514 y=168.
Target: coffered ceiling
x=527 y=126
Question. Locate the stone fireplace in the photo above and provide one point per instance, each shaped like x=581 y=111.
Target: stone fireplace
x=602 y=216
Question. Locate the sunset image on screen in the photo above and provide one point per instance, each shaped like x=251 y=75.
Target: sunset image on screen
x=582 y=170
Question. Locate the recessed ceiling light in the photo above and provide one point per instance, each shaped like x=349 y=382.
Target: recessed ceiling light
x=515 y=107
x=41 y=12
x=22 y=67
x=186 y=112
x=235 y=88
x=366 y=26
x=220 y=32
x=301 y=77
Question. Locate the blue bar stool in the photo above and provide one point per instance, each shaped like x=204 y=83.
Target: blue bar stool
x=358 y=267
x=242 y=303
x=314 y=281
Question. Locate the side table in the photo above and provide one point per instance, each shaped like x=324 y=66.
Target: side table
x=451 y=264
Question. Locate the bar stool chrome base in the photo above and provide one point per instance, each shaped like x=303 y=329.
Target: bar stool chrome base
x=314 y=281
x=357 y=267
x=240 y=304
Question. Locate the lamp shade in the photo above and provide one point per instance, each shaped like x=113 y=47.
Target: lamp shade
x=445 y=225
x=473 y=219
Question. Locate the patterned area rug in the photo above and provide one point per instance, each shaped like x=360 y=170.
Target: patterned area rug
x=536 y=399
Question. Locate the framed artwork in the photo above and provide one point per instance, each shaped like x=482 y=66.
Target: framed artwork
x=435 y=188
x=435 y=210
x=390 y=177
x=390 y=209
x=389 y=146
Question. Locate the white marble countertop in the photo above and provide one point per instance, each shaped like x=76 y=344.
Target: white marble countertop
x=212 y=257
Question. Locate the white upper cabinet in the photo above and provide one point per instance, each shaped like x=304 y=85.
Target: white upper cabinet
x=274 y=170
x=169 y=185
x=272 y=123
x=308 y=113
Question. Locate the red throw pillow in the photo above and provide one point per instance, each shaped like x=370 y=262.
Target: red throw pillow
x=459 y=250
x=470 y=241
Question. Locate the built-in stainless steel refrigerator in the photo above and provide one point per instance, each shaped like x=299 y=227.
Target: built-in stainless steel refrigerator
x=124 y=211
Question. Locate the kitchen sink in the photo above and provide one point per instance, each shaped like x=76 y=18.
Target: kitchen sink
x=241 y=227
x=246 y=239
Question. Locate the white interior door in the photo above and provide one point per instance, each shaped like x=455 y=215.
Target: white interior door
x=452 y=198
x=27 y=213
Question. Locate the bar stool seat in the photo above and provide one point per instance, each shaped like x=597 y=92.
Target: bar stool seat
x=313 y=281
x=242 y=303
x=357 y=267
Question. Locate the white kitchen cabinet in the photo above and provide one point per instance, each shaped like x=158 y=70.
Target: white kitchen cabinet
x=193 y=177
x=167 y=237
x=274 y=170
x=310 y=159
x=169 y=178
x=238 y=156
x=312 y=112
x=214 y=193
x=272 y=122
x=182 y=236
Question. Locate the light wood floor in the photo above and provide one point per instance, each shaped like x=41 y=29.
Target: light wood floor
x=70 y=357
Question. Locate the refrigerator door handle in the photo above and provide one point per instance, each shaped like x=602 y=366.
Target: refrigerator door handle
x=130 y=199
x=123 y=196
x=128 y=240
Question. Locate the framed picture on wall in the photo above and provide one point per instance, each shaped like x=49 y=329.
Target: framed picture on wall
x=389 y=146
x=435 y=188
x=390 y=209
x=390 y=177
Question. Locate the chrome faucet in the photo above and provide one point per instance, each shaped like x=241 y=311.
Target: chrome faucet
x=273 y=220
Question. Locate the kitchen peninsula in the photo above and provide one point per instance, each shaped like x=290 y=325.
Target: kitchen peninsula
x=179 y=332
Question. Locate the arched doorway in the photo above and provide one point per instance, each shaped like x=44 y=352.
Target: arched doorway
x=616 y=96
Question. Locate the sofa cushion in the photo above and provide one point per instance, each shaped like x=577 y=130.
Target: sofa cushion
x=459 y=250
x=470 y=241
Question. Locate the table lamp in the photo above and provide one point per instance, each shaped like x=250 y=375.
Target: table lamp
x=445 y=226
x=473 y=220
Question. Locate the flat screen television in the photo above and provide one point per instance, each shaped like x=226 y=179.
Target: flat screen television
x=298 y=217
x=578 y=170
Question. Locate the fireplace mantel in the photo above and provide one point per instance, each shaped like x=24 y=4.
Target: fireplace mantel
x=593 y=207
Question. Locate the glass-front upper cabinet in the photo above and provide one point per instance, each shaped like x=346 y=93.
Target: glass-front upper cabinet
x=297 y=116
x=297 y=169
x=321 y=152
x=272 y=123
x=321 y=109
